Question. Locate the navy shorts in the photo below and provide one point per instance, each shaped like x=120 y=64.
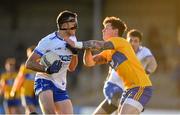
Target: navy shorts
x=110 y=89
x=31 y=100
x=138 y=97
x=43 y=85
x=13 y=102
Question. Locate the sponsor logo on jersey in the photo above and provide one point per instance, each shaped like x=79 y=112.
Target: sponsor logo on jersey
x=66 y=57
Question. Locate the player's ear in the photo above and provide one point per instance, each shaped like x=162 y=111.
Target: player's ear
x=64 y=25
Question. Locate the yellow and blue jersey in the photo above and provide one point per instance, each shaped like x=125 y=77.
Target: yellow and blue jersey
x=8 y=79
x=123 y=59
x=27 y=88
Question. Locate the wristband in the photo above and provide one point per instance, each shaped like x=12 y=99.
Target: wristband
x=79 y=45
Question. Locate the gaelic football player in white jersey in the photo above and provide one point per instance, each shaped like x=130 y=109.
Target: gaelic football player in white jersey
x=144 y=54
x=113 y=87
x=50 y=82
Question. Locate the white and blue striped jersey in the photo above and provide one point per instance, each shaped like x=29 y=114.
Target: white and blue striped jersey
x=53 y=42
x=114 y=78
x=141 y=54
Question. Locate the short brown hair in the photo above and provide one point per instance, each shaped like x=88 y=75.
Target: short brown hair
x=135 y=33
x=64 y=17
x=116 y=23
x=10 y=60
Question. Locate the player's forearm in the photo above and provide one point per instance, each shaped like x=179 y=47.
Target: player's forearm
x=74 y=63
x=15 y=86
x=33 y=63
x=151 y=66
x=83 y=45
x=35 y=66
x=91 y=44
x=88 y=58
x=18 y=82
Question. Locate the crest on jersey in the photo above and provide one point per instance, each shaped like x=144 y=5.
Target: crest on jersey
x=117 y=59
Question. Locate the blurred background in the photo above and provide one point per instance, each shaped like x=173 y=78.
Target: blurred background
x=24 y=23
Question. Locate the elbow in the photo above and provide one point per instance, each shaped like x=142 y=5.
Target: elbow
x=71 y=69
x=155 y=67
x=88 y=64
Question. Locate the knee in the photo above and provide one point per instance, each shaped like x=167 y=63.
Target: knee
x=128 y=109
x=48 y=111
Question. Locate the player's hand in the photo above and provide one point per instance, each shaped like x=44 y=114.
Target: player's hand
x=73 y=50
x=12 y=94
x=55 y=67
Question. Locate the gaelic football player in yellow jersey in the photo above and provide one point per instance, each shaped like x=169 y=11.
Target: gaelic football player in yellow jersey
x=12 y=105
x=119 y=54
x=113 y=87
x=25 y=82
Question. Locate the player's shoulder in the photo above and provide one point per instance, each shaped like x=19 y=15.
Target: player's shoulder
x=144 y=50
x=118 y=39
x=50 y=37
x=3 y=75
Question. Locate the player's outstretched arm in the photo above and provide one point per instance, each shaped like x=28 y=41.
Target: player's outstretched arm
x=91 y=44
x=99 y=45
x=151 y=65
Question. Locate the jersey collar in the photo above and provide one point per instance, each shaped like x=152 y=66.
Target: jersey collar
x=56 y=33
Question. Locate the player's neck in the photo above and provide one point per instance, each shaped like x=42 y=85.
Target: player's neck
x=136 y=50
x=63 y=35
x=10 y=71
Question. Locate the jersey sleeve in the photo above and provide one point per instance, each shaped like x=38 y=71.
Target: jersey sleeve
x=147 y=52
x=106 y=54
x=41 y=48
x=103 y=54
x=118 y=42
